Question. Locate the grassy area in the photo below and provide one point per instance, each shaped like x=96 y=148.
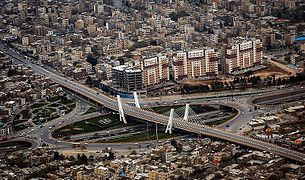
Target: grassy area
x=25 y=114
x=16 y=122
x=91 y=110
x=17 y=117
x=48 y=110
x=164 y=109
x=39 y=121
x=36 y=110
x=54 y=105
x=44 y=110
x=143 y=137
x=89 y=125
x=71 y=106
x=38 y=105
x=54 y=98
x=21 y=127
x=66 y=101
x=15 y=143
x=198 y=109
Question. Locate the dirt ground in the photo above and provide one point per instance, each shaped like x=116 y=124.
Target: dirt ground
x=271 y=70
x=274 y=68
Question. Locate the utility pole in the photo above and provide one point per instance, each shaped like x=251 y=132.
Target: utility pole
x=157 y=132
x=147 y=131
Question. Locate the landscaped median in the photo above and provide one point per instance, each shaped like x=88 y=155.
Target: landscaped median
x=89 y=125
x=43 y=111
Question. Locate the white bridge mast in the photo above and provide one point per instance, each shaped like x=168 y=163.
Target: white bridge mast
x=186 y=112
x=170 y=122
x=121 y=112
x=136 y=99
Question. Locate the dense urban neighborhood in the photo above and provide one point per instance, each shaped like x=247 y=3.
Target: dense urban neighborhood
x=152 y=89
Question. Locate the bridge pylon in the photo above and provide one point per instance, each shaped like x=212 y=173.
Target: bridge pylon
x=136 y=99
x=121 y=111
x=186 y=112
x=170 y=122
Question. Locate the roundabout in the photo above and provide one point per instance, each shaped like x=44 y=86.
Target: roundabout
x=125 y=109
x=17 y=145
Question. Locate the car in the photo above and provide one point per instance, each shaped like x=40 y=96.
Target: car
x=66 y=137
x=41 y=134
x=227 y=125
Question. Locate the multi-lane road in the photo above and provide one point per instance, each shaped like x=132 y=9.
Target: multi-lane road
x=133 y=111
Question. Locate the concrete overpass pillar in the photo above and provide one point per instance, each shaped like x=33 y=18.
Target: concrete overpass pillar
x=186 y=112
x=170 y=122
x=136 y=99
x=121 y=111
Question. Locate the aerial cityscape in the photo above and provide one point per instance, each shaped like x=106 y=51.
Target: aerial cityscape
x=152 y=89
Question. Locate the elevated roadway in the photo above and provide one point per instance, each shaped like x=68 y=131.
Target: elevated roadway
x=132 y=111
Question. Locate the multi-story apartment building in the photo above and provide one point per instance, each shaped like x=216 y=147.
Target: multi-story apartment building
x=128 y=78
x=290 y=4
x=195 y=63
x=241 y=53
x=180 y=65
x=155 y=70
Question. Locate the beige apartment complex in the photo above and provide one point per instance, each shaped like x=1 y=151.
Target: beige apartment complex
x=195 y=63
x=241 y=54
x=155 y=70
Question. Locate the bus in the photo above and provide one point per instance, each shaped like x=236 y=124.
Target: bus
x=75 y=144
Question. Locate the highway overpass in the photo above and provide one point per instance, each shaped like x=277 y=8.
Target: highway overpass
x=133 y=111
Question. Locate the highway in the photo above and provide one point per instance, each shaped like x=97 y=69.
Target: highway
x=132 y=111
